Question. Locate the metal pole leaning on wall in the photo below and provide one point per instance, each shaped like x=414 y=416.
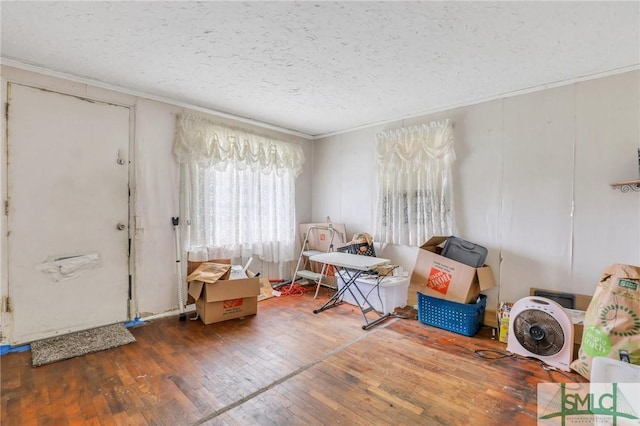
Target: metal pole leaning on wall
x=176 y=228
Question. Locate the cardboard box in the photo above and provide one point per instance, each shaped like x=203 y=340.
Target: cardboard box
x=193 y=265
x=444 y=278
x=219 y=299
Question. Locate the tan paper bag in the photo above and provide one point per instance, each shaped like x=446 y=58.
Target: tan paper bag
x=612 y=320
x=209 y=272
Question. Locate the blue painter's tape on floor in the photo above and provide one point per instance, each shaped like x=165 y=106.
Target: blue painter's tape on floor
x=136 y=321
x=5 y=349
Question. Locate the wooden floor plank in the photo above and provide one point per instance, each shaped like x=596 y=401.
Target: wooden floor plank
x=284 y=366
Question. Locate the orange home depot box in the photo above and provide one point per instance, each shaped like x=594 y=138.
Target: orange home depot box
x=444 y=278
x=218 y=299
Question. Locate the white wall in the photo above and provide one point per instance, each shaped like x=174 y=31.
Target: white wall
x=155 y=190
x=531 y=183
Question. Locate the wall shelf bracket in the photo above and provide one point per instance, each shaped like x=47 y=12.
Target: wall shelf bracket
x=627 y=186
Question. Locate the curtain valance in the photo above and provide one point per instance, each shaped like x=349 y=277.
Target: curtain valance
x=415 y=192
x=409 y=149
x=200 y=141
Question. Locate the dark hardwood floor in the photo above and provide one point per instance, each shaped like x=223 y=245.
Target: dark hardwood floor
x=284 y=366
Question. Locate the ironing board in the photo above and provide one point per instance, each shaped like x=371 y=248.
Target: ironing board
x=351 y=266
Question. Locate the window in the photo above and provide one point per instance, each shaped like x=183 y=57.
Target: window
x=409 y=207
x=239 y=191
x=414 y=184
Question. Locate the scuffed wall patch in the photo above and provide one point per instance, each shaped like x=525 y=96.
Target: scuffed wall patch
x=60 y=268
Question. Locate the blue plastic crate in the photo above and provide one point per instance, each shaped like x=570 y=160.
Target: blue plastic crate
x=461 y=318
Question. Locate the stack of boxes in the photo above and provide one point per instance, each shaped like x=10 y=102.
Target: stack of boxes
x=446 y=291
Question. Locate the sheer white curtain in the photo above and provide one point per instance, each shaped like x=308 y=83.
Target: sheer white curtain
x=238 y=190
x=415 y=194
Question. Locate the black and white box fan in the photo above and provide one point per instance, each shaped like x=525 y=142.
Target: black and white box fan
x=541 y=328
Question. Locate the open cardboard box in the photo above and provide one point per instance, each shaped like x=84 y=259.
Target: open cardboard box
x=218 y=298
x=444 y=278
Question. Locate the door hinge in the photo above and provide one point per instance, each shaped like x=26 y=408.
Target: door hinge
x=6 y=110
x=6 y=304
x=6 y=207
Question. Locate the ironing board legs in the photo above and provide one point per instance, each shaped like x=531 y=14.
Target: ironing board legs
x=370 y=324
x=336 y=299
x=365 y=307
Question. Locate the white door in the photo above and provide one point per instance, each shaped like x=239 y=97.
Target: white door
x=68 y=209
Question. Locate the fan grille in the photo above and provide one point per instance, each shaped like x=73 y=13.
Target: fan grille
x=539 y=332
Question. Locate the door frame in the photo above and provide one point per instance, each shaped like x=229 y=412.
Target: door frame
x=82 y=90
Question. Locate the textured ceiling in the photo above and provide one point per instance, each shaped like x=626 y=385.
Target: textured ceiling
x=321 y=68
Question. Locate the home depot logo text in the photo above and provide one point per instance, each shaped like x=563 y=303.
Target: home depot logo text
x=439 y=280
x=232 y=303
